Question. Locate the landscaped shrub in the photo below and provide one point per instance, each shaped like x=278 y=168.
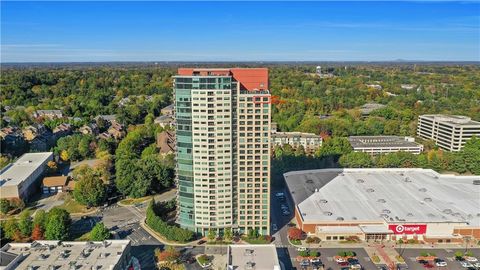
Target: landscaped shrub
x=303 y=253
x=170 y=232
x=204 y=259
x=295 y=234
x=344 y=253
x=313 y=239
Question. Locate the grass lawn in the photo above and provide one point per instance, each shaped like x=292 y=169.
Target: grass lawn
x=83 y=237
x=255 y=240
x=130 y=201
x=72 y=206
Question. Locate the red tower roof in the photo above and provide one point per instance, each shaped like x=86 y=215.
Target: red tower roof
x=249 y=78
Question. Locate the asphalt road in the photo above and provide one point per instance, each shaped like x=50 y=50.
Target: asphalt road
x=124 y=223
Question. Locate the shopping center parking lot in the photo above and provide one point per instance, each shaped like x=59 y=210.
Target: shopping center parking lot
x=327 y=255
x=445 y=254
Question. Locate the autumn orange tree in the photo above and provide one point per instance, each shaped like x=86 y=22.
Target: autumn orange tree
x=169 y=254
x=295 y=234
x=37 y=233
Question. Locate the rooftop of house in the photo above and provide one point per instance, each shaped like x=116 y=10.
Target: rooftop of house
x=15 y=173
x=166 y=142
x=391 y=195
x=370 y=107
x=55 y=181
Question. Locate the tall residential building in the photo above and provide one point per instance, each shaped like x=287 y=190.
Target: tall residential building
x=449 y=132
x=223 y=149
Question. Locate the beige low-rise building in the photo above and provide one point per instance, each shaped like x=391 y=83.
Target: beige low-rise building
x=376 y=145
x=450 y=132
x=247 y=257
x=20 y=179
x=109 y=254
x=309 y=141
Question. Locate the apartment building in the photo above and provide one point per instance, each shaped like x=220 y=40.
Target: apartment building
x=223 y=149
x=376 y=145
x=309 y=141
x=450 y=132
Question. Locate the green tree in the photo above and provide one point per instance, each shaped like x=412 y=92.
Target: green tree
x=228 y=234
x=10 y=228
x=99 y=232
x=40 y=218
x=356 y=160
x=300 y=151
x=58 y=224
x=89 y=188
x=334 y=147
x=5 y=206
x=471 y=155
x=211 y=234
x=25 y=223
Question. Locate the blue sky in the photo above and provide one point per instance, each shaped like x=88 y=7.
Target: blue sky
x=239 y=31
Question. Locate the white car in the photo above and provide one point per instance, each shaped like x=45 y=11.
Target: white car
x=441 y=264
x=466 y=264
x=355 y=266
x=340 y=260
x=470 y=259
x=301 y=249
x=274 y=227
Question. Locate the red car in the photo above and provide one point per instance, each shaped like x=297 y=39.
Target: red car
x=343 y=263
x=428 y=265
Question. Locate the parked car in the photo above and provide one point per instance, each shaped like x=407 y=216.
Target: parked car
x=279 y=194
x=340 y=260
x=201 y=242
x=285 y=212
x=440 y=263
x=470 y=259
x=428 y=265
x=274 y=227
x=422 y=261
x=304 y=263
x=301 y=249
x=466 y=264
x=355 y=266
x=315 y=261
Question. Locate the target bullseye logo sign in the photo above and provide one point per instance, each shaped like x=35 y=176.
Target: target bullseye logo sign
x=408 y=228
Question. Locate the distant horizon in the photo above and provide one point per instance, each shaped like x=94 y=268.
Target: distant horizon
x=63 y=32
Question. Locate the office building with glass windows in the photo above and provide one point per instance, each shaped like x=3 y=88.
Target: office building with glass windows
x=223 y=149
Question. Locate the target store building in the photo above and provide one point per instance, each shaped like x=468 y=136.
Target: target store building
x=386 y=204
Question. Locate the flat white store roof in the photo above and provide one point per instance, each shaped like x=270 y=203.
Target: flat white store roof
x=391 y=195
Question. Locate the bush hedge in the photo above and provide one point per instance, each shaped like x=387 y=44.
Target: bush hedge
x=170 y=232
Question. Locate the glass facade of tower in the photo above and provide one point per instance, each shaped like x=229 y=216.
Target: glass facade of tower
x=184 y=156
